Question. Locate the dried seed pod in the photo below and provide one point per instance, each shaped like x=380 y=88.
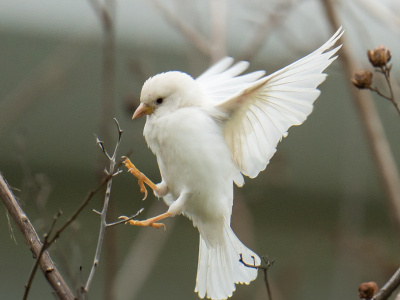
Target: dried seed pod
x=379 y=56
x=367 y=290
x=362 y=79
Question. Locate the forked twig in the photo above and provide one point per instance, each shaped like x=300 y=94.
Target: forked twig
x=265 y=268
x=385 y=70
x=103 y=215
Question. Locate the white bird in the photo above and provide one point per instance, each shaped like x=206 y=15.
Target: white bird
x=207 y=133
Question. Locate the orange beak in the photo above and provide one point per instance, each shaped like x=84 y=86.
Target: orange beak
x=142 y=110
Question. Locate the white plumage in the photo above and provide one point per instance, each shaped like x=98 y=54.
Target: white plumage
x=207 y=132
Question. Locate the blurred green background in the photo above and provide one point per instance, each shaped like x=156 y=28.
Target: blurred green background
x=318 y=209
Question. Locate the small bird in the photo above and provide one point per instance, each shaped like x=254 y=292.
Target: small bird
x=210 y=131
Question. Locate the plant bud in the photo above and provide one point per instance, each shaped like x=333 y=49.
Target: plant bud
x=367 y=290
x=362 y=79
x=379 y=56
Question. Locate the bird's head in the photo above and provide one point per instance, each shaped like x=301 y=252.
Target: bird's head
x=167 y=92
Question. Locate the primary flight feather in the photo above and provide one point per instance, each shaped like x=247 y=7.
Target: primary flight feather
x=207 y=133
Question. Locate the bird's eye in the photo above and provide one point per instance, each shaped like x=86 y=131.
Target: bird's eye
x=159 y=100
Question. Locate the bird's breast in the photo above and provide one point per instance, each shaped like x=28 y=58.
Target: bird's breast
x=192 y=155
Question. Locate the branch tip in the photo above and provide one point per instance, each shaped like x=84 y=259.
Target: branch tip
x=120 y=131
x=97 y=212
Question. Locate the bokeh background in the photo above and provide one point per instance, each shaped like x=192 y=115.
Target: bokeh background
x=318 y=210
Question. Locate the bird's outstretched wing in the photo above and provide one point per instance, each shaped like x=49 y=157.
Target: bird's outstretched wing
x=221 y=81
x=262 y=110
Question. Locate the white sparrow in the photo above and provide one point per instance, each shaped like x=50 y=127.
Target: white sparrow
x=208 y=132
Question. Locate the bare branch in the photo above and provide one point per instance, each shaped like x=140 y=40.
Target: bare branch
x=393 y=283
x=376 y=90
x=103 y=214
x=33 y=241
x=44 y=247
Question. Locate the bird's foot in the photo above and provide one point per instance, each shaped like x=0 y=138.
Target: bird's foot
x=145 y=223
x=152 y=222
x=140 y=176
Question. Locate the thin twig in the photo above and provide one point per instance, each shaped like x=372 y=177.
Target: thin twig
x=80 y=208
x=103 y=214
x=393 y=283
x=124 y=221
x=44 y=247
x=265 y=268
x=376 y=90
x=385 y=70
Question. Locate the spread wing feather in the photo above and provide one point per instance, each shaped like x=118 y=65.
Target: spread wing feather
x=221 y=81
x=261 y=109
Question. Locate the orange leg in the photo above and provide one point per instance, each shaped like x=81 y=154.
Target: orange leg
x=149 y=222
x=140 y=176
x=142 y=179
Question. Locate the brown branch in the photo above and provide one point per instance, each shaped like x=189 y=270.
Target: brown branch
x=44 y=247
x=373 y=128
x=23 y=223
x=376 y=90
x=389 y=287
x=38 y=249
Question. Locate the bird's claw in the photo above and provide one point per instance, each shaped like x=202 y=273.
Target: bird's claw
x=139 y=175
x=142 y=189
x=145 y=223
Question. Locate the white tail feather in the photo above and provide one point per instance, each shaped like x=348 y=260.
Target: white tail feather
x=219 y=267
